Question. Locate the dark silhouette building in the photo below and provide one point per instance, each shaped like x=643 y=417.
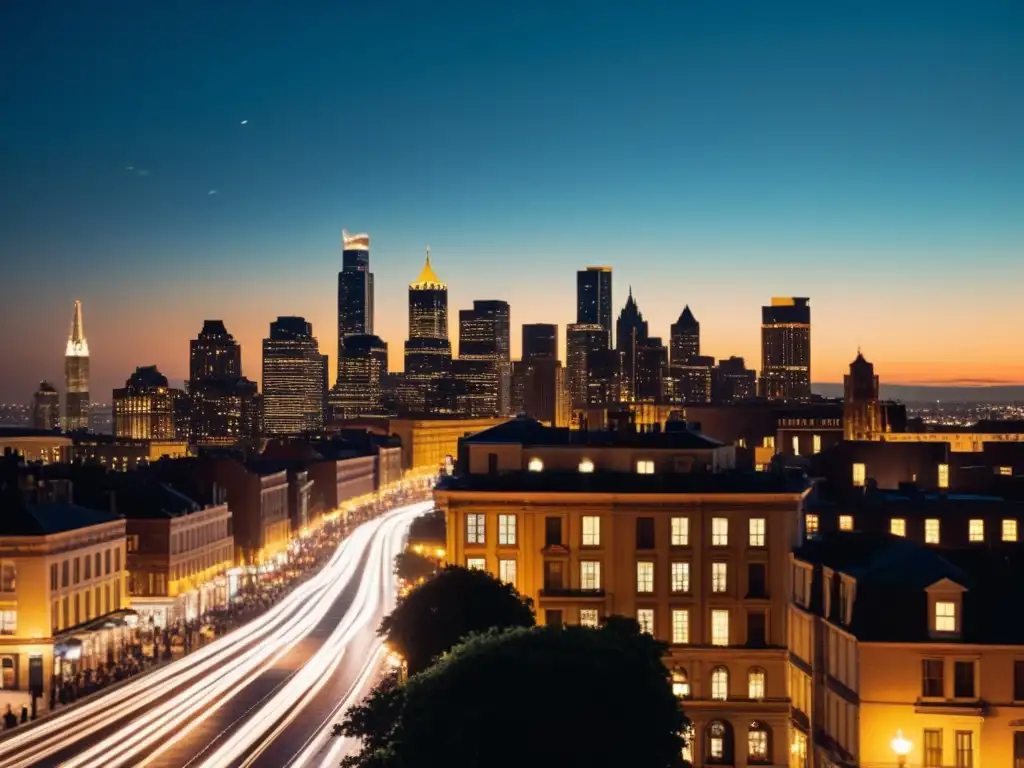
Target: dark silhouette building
x=594 y=298
x=862 y=412
x=604 y=377
x=539 y=386
x=484 y=341
x=786 y=349
x=651 y=371
x=428 y=352
x=220 y=399
x=293 y=379
x=684 y=337
x=540 y=340
x=355 y=290
x=580 y=340
x=76 y=376
x=46 y=407
x=146 y=408
x=692 y=380
x=733 y=382
x=362 y=369
x=630 y=336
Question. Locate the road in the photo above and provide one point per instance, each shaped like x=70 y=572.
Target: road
x=262 y=695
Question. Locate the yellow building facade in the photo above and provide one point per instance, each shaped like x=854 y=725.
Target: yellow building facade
x=426 y=443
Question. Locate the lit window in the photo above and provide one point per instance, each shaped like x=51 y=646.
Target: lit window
x=796 y=445
x=1006 y=471
x=8 y=622
x=680 y=577
x=680 y=626
x=589 y=618
x=506 y=530
x=976 y=530
x=945 y=617
x=1009 y=530
x=719 y=532
x=720 y=684
x=476 y=563
x=718 y=577
x=846 y=522
x=680 y=531
x=507 y=571
x=720 y=627
x=860 y=475
x=680 y=683
x=645 y=576
x=591 y=531
x=811 y=524
x=586 y=466
x=475 y=527
x=645 y=618
x=816 y=443
x=645 y=467
x=757 y=744
x=742 y=442
x=943 y=475
x=898 y=526
x=757 y=531
x=755 y=683
x=768 y=442
x=590 y=574
x=932 y=530
x=535 y=465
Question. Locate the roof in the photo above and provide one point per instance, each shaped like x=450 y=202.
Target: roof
x=150 y=501
x=10 y=433
x=427 y=278
x=530 y=432
x=18 y=519
x=765 y=483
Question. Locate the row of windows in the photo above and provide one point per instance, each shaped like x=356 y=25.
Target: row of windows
x=964 y=677
x=720 y=683
x=199 y=536
x=586 y=466
x=718 y=744
x=202 y=562
x=963 y=744
x=860 y=475
x=82 y=606
x=84 y=568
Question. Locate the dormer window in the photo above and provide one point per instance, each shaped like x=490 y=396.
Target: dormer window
x=586 y=466
x=860 y=474
x=945 y=609
x=898 y=526
x=945 y=616
x=645 y=467
x=535 y=465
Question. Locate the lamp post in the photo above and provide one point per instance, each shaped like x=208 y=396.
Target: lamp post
x=901 y=747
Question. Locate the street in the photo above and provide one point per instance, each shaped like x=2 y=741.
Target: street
x=266 y=694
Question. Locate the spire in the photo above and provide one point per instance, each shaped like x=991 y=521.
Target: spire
x=77 y=345
x=686 y=318
x=427 y=278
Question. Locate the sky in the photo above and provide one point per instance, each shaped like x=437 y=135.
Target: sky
x=170 y=162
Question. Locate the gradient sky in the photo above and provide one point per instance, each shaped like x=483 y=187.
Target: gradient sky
x=869 y=155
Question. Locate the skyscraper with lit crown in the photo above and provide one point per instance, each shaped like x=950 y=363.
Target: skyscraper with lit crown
x=76 y=375
x=355 y=290
x=786 y=349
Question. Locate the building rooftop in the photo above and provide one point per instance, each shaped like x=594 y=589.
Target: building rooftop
x=21 y=519
x=9 y=433
x=530 y=432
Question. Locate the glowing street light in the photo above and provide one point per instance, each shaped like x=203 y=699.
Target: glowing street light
x=901 y=747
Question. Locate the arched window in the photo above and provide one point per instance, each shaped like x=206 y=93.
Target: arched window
x=755 y=683
x=718 y=748
x=759 y=742
x=720 y=683
x=680 y=683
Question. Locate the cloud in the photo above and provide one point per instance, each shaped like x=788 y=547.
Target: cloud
x=137 y=171
x=212 y=192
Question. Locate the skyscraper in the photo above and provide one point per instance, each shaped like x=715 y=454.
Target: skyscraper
x=428 y=353
x=594 y=298
x=651 y=371
x=144 y=409
x=580 y=340
x=484 y=341
x=355 y=289
x=684 y=337
x=733 y=382
x=46 y=407
x=76 y=376
x=786 y=350
x=630 y=336
x=214 y=353
x=862 y=410
x=540 y=341
x=293 y=373
x=220 y=398
x=362 y=368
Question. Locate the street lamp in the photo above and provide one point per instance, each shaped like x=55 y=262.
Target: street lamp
x=901 y=747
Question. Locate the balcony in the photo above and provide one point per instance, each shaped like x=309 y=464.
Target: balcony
x=563 y=593
x=555 y=550
x=972 y=707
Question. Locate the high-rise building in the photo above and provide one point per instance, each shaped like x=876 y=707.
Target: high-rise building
x=145 y=408
x=594 y=298
x=214 y=353
x=786 y=349
x=605 y=384
x=580 y=340
x=540 y=390
x=733 y=382
x=484 y=338
x=540 y=341
x=293 y=373
x=76 y=376
x=362 y=366
x=355 y=290
x=651 y=371
x=428 y=352
x=684 y=337
x=692 y=380
x=630 y=336
x=862 y=410
x=220 y=398
x=46 y=407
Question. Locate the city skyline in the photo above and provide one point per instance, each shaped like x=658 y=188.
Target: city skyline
x=749 y=155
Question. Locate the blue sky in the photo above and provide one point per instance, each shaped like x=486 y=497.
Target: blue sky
x=869 y=155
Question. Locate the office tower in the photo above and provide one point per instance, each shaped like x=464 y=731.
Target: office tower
x=220 y=398
x=428 y=353
x=539 y=384
x=362 y=368
x=594 y=298
x=355 y=290
x=651 y=371
x=145 y=408
x=604 y=377
x=476 y=387
x=862 y=411
x=76 y=376
x=484 y=338
x=293 y=372
x=692 y=380
x=630 y=336
x=46 y=407
x=580 y=340
x=733 y=382
x=540 y=340
x=214 y=353
x=684 y=337
x=786 y=350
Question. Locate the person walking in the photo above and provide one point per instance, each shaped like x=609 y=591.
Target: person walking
x=10 y=719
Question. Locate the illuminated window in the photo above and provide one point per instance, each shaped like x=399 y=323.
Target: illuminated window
x=720 y=627
x=680 y=577
x=591 y=531
x=742 y=442
x=945 y=617
x=846 y=522
x=590 y=574
x=718 y=577
x=1009 y=530
x=680 y=683
x=645 y=576
x=755 y=683
x=535 y=465
x=645 y=618
x=976 y=530
x=9 y=575
x=645 y=467
x=507 y=530
x=719 y=532
x=507 y=571
x=757 y=531
x=680 y=531
x=816 y=443
x=680 y=626
x=898 y=526
x=1006 y=471
x=475 y=527
x=589 y=618
x=811 y=524
x=9 y=622
x=586 y=466
x=757 y=743
x=720 y=684
x=768 y=441
x=860 y=474
x=476 y=563
x=796 y=445
x=943 y=475
x=931 y=531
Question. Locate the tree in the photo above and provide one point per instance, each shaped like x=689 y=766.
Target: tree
x=430 y=527
x=439 y=613
x=412 y=566
x=545 y=697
